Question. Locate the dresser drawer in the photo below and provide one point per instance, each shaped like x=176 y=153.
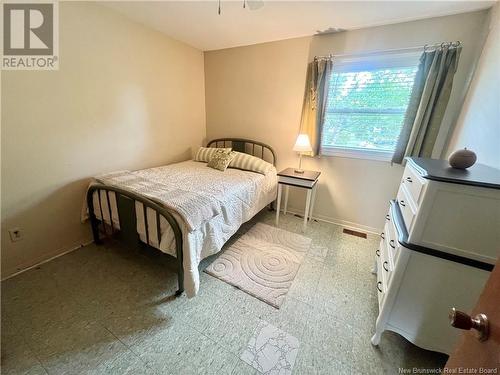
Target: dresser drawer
x=392 y=246
x=392 y=239
x=381 y=288
x=406 y=205
x=380 y=248
x=386 y=238
x=414 y=183
x=387 y=258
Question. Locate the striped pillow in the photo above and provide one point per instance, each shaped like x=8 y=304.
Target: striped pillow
x=250 y=163
x=205 y=153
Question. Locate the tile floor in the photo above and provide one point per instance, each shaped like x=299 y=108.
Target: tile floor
x=110 y=310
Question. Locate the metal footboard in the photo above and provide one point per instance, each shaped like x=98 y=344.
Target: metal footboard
x=125 y=204
x=127 y=218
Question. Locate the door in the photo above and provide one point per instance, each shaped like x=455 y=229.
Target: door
x=471 y=352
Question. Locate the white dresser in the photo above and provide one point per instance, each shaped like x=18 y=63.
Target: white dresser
x=440 y=241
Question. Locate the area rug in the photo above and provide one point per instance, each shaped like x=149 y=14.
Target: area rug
x=271 y=350
x=263 y=262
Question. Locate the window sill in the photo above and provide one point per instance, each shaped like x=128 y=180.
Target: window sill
x=356 y=153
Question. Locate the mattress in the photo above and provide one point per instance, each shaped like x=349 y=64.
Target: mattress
x=241 y=195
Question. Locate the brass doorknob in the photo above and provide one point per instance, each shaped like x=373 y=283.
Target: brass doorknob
x=479 y=323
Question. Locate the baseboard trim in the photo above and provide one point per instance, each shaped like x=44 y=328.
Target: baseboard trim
x=27 y=268
x=326 y=219
x=342 y=223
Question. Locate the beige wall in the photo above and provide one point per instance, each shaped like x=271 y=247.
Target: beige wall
x=128 y=97
x=125 y=97
x=256 y=92
x=478 y=127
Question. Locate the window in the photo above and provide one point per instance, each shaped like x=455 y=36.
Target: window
x=366 y=104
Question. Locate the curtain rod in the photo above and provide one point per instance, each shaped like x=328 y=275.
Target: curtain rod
x=424 y=48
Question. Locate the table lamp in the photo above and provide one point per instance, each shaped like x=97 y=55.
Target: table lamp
x=302 y=145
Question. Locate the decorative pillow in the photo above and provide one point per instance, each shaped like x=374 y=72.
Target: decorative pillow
x=250 y=163
x=205 y=153
x=220 y=160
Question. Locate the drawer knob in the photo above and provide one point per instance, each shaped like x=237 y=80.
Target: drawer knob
x=461 y=320
x=382 y=235
x=409 y=179
x=377 y=252
x=388 y=218
x=386 y=266
x=379 y=286
x=402 y=203
x=391 y=244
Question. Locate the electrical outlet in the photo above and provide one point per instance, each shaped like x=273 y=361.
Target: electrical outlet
x=15 y=234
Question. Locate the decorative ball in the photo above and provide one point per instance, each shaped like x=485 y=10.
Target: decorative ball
x=462 y=159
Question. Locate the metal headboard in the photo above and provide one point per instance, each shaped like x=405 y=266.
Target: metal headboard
x=255 y=148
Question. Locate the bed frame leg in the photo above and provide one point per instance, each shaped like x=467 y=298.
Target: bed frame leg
x=180 y=262
x=94 y=223
x=95 y=229
x=180 y=281
x=180 y=275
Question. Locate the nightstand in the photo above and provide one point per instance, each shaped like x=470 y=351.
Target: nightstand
x=307 y=180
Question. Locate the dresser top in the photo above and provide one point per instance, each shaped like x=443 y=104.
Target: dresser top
x=440 y=170
x=306 y=175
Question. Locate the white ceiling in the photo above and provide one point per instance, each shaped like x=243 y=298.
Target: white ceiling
x=198 y=24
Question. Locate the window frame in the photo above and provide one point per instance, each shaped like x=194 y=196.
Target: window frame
x=357 y=153
x=393 y=59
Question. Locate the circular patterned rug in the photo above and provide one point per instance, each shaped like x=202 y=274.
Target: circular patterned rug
x=263 y=262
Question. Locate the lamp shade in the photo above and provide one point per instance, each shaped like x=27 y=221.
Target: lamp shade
x=302 y=144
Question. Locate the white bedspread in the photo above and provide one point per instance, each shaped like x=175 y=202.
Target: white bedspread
x=241 y=195
x=194 y=207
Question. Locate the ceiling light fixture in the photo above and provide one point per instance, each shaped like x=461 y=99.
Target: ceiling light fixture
x=330 y=30
x=252 y=5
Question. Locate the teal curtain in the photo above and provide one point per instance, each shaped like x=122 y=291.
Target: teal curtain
x=314 y=104
x=428 y=101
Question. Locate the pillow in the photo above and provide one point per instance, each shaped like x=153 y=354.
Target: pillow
x=205 y=153
x=220 y=160
x=250 y=163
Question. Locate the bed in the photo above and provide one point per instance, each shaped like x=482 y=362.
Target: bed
x=208 y=206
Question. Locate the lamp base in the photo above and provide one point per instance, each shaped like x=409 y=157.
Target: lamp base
x=299 y=169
